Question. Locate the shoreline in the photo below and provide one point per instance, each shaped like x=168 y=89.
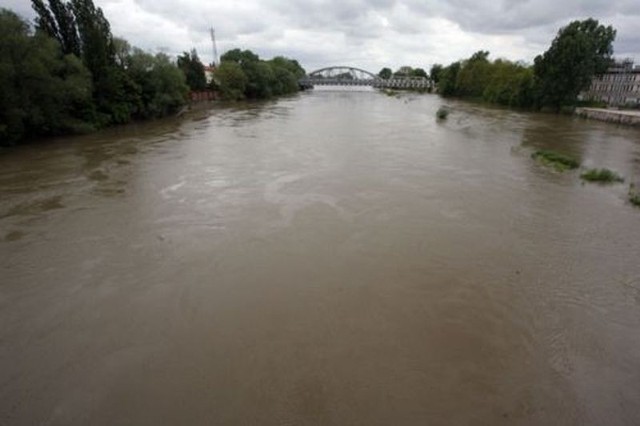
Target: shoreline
x=626 y=117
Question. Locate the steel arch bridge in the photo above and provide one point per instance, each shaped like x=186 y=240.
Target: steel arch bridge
x=351 y=76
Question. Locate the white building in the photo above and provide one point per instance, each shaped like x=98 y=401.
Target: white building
x=619 y=86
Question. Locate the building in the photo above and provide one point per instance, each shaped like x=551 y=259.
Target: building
x=619 y=86
x=208 y=73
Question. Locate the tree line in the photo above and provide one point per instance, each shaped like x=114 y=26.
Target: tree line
x=404 y=71
x=580 y=51
x=68 y=74
x=243 y=75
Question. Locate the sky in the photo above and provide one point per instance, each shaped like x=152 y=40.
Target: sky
x=368 y=34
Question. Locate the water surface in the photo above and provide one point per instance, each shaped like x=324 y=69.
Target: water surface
x=334 y=258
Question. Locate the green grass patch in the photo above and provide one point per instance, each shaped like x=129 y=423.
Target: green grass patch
x=602 y=176
x=558 y=161
x=634 y=197
x=442 y=113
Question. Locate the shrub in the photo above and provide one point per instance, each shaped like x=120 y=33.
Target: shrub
x=558 y=161
x=602 y=176
x=442 y=113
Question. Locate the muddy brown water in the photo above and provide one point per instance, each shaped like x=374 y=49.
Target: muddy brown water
x=333 y=258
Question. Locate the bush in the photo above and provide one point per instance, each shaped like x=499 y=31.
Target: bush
x=602 y=176
x=558 y=161
x=442 y=113
x=634 y=197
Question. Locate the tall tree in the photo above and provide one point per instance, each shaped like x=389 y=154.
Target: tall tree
x=193 y=70
x=581 y=50
x=434 y=73
x=385 y=73
x=58 y=21
x=42 y=92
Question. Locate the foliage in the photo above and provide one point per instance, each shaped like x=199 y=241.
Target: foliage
x=161 y=85
x=419 y=72
x=385 y=73
x=634 y=197
x=558 y=161
x=474 y=75
x=602 y=176
x=448 y=79
x=509 y=84
x=72 y=76
x=59 y=22
x=434 y=73
x=42 y=91
x=581 y=50
x=193 y=70
x=231 y=80
x=242 y=74
x=500 y=81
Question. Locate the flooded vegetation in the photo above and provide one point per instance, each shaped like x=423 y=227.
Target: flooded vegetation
x=331 y=258
x=556 y=160
x=602 y=176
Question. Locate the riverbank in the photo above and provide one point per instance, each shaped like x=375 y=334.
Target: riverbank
x=631 y=118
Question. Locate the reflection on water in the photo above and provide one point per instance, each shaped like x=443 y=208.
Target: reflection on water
x=328 y=258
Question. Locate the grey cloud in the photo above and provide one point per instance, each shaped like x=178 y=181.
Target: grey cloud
x=383 y=32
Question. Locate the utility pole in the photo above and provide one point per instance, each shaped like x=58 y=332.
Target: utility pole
x=215 y=48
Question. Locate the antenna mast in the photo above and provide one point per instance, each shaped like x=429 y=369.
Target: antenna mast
x=215 y=48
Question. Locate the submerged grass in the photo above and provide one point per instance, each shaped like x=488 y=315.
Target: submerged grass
x=442 y=113
x=634 y=197
x=602 y=176
x=558 y=161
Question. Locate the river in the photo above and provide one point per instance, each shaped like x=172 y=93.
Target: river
x=332 y=258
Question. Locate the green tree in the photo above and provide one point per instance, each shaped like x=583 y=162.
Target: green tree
x=404 y=71
x=419 y=72
x=162 y=85
x=241 y=57
x=42 y=91
x=290 y=65
x=385 y=73
x=434 y=73
x=58 y=21
x=193 y=70
x=580 y=50
x=510 y=84
x=231 y=80
x=448 y=78
x=474 y=75
x=286 y=73
x=251 y=77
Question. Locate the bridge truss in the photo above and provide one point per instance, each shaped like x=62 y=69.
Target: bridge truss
x=350 y=76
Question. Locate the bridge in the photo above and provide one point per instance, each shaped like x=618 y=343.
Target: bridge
x=350 y=76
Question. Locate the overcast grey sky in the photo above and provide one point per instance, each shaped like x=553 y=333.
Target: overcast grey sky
x=370 y=34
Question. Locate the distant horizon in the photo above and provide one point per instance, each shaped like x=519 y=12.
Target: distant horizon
x=366 y=34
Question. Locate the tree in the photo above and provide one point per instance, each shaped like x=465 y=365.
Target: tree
x=434 y=73
x=193 y=70
x=474 y=75
x=42 y=91
x=580 y=50
x=231 y=79
x=509 y=84
x=419 y=72
x=447 y=85
x=162 y=85
x=82 y=30
x=385 y=73
x=241 y=57
x=286 y=74
x=404 y=71
x=58 y=21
